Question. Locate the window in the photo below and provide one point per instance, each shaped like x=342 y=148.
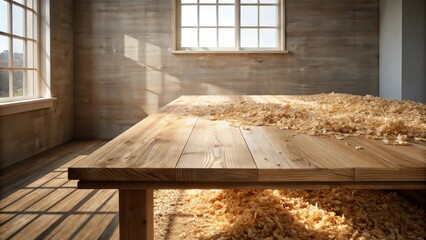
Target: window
x=229 y=25
x=18 y=50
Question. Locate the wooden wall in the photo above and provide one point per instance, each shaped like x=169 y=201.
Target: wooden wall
x=25 y=134
x=123 y=69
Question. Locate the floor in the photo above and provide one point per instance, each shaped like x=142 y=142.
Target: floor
x=38 y=201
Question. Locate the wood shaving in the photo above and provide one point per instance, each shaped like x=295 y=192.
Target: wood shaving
x=339 y=115
x=359 y=147
x=336 y=213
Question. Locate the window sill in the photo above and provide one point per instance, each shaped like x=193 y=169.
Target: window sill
x=8 y=108
x=177 y=52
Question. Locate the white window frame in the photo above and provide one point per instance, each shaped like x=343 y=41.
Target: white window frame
x=177 y=49
x=35 y=83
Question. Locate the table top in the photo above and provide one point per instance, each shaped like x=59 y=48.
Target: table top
x=167 y=146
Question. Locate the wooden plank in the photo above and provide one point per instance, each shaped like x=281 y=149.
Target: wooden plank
x=216 y=152
x=148 y=151
x=279 y=158
x=136 y=213
x=250 y=185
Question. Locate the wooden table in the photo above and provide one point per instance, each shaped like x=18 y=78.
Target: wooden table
x=168 y=150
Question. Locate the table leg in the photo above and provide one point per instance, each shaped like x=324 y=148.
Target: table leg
x=136 y=214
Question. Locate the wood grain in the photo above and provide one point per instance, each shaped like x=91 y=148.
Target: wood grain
x=216 y=152
x=136 y=209
x=168 y=146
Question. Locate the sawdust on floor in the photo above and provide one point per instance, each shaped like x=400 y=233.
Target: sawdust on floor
x=336 y=213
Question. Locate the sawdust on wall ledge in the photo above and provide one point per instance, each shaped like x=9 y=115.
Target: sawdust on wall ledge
x=338 y=115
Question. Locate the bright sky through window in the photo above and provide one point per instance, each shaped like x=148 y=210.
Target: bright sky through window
x=18 y=50
x=234 y=25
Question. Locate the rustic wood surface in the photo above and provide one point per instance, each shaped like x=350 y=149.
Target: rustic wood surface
x=168 y=146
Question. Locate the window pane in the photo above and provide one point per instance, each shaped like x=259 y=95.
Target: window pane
x=30 y=24
x=268 y=1
x=18 y=83
x=248 y=38
x=208 y=37
x=189 y=15
x=207 y=1
x=35 y=28
x=18 y=20
x=4 y=16
x=4 y=51
x=35 y=6
x=189 y=1
x=268 y=16
x=18 y=53
x=189 y=37
x=248 y=16
x=208 y=16
x=248 y=1
x=30 y=54
x=268 y=38
x=227 y=37
x=30 y=3
x=4 y=83
x=19 y=1
x=227 y=16
x=226 y=1
x=30 y=81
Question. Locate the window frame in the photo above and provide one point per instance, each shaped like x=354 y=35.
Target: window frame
x=176 y=49
x=35 y=83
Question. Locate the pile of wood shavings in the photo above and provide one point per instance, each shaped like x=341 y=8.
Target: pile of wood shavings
x=318 y=214
x=339 y=115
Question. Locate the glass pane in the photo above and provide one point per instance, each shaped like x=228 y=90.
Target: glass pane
x=4 y=51
x=208 y=37
x=4 y=83
x=30 y=3
x=268 y=38
x=30 y=24
x=18 y=83
x=35 y=55
x=18 y=53
x=208 y=16
x=249 y=38
x=18 y=20
x=248 y=1
x=268 y=16
x=207 y=1
x=249 y=16
x=30 y=54
x=189 y=15
x=189 y=1
x=227 y=37
x=4 y=16
x=226 y=16
x=19 y=1
x=263 y=1
x=189 y=37
x=35 y=28
x=30 y=80
x=226 y=1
